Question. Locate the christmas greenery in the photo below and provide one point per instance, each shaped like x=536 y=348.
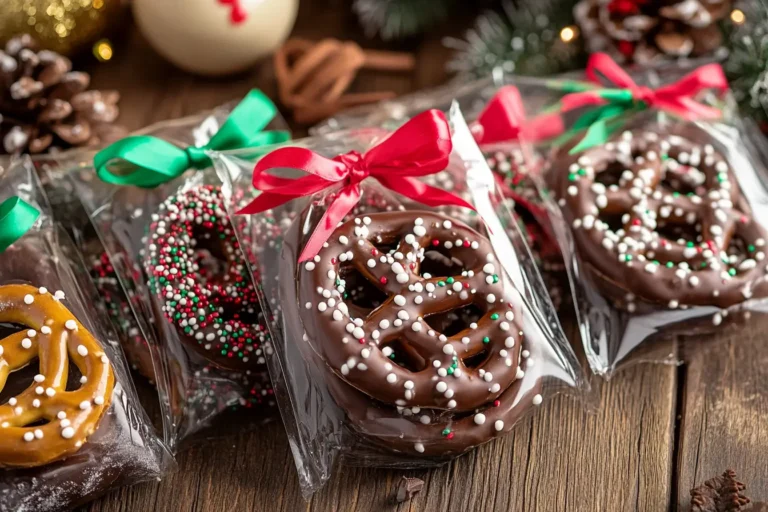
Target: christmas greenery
x=747 y=64
x=535 y=38
x=394 y=19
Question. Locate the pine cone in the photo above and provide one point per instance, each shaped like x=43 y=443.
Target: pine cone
x=649 y=31
x=45 y=106
x=719 y=494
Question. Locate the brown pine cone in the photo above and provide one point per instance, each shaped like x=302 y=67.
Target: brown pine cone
x=45 y=106
x=652 y=31
x=719 y=494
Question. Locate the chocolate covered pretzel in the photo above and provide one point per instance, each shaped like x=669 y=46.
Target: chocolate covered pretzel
x=412 y=310
x=658 y=217
x=46 y=422
x=200 y=280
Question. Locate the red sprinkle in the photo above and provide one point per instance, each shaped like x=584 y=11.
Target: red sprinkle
x=449 y=436
x=362 y=341
x=333 y=261
x=375 y=251
x=496 y=403
x=383 y=280
x=467 y=243
x=435 y=242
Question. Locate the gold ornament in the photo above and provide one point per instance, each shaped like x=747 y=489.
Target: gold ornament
x=64 y=26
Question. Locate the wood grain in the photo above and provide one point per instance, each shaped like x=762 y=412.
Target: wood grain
x=620 y=458
x=724 y=411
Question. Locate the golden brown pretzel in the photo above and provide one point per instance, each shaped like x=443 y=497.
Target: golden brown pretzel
x=54 y=337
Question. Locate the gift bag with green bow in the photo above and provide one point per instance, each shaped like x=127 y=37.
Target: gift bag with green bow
x=660 y=211
x=69 y=407
x=194 y=326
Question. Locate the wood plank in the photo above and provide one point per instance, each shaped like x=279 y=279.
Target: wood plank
x=724 y=411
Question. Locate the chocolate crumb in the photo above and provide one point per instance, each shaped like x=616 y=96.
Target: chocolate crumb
x=719 y=494
x=408 y=488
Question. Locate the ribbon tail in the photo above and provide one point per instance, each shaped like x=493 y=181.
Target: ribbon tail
x=602 y=63
x=338 y=209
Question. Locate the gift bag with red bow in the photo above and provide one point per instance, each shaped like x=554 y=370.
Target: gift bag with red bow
x=509 y=139
x=657 y=203
x=410 y=327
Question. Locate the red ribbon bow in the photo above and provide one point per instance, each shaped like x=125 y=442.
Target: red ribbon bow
x=420 y=147
x=503 y=119
x=678 y=98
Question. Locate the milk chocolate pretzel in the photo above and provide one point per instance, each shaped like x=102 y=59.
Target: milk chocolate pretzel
x=54 y=337
x=658 y=217
x=413 y=310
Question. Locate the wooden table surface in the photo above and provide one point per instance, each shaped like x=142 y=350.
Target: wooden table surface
x=659 y=429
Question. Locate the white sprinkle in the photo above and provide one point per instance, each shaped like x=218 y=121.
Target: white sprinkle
x=82 y=350
x=384 y=324
x=31 y=333
x=488 y=268
x=59 y=295
x=491 y=298
x=391 y=378
x=29 y=436
x=310 y=266
x=39 y=378
x=419 y=447
x=38 y=433
x=400 y=300
x=29 y=299
x=50 y=392
x=479 y=418
x=39 y=390
x=85 y=404
x=68 y=433
x=448 y=349
x=42 y=290
x=26 y=343
x=451 y=404
x=35 y=403
x=441 y=387
x=71 y=325
x=408 y=384
x=499 y=425
x=358 y=333
x=416 y=326
x=537 y=400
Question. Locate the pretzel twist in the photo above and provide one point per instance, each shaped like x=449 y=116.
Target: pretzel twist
x=663 y=232
x=339 y=328
x=55 y=338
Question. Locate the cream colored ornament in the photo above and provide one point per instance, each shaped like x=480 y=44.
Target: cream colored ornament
x=215 y=37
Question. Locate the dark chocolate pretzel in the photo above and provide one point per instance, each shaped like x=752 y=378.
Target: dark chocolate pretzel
x=400 y=424
x=354 y=331
x=659 y=217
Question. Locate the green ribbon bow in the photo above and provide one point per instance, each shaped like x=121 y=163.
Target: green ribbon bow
x=146 y=161
x=16 y=218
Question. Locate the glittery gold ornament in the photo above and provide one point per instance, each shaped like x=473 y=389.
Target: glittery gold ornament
x=64 y=26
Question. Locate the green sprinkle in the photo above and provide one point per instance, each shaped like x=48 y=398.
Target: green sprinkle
x=446 y=431
x=750 y=248
x=689 y=244
x=572 y=177
x=670 y=264
x=449 y=280
x=495 y=278
x=495 y=316
x=441 y=283
x=486 y=340
x=732 y=272
x=582 y=172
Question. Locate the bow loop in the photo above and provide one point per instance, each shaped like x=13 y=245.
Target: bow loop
x=679 y=98
x=147 y=162
x=420 y=147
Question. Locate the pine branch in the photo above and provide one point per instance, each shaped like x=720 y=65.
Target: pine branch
x=747 y=65
x=524 y=39
x=395 y=19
